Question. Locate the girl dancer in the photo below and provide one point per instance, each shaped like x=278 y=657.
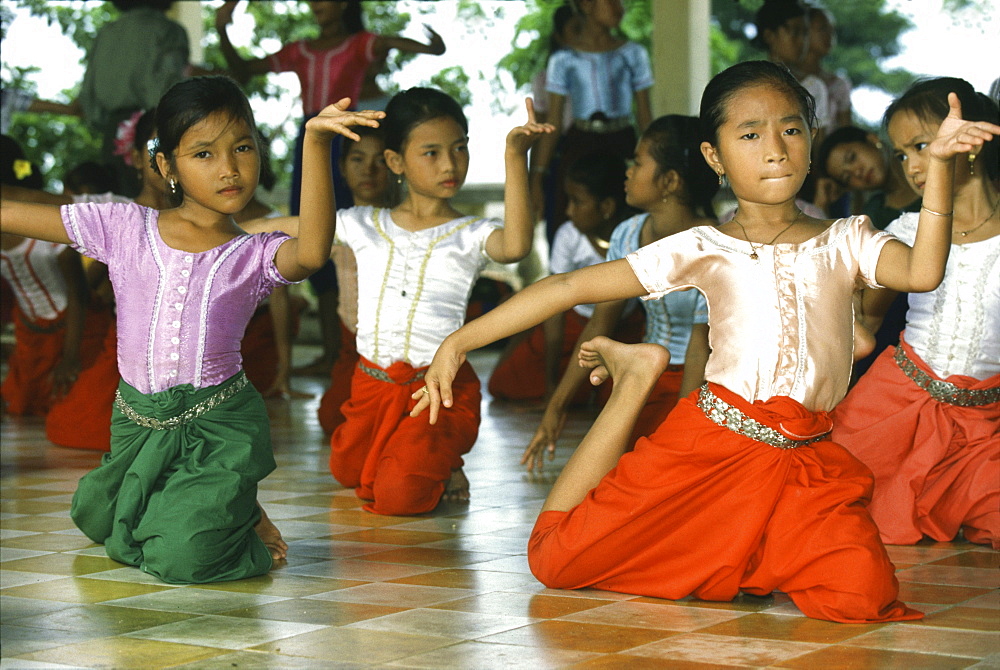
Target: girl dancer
x=417 y=265
x=926 y=416
x=190 y=439
x=740 y=488
x=670 y=180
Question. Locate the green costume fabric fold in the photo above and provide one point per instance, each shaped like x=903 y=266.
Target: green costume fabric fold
x=181 y=504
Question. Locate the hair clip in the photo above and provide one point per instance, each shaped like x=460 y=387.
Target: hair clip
x=153 y=147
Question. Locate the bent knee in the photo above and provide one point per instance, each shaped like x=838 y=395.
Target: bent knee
x=405 y=495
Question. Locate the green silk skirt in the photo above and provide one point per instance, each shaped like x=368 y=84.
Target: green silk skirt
x=181 y=504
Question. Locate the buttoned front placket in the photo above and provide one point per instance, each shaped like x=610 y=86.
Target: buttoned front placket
x=178 y=286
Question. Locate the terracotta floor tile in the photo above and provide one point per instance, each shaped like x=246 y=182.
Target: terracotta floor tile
x=31 y=506
x=249 y=659
x=356 y=517
x=475 y=654
x=793 y=629
x=323 y=612
x=952 y=575
x=82 y=590
x=647 y=615
x=623 y=661
x=875 y=659
x=990 y=600
x=972 y=559
x=63 y=564
x=282 y=584
x=475 y=580
x=49 y=542
x=224 y=632
x=358 y=569
x=453 y=625
x=354 y=645
x=125 y=653
x=560 y=634
x=917 y=592
x=967 y=618
x=724 y=650
x=399 y=536
x=741 y=603
x=394 y=595
x=521 y=604
x=102 y=619
x=331 y=549
x=920 y=638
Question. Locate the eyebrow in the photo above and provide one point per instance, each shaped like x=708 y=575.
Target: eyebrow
x=198 y=145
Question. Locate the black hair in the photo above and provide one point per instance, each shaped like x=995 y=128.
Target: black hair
x=560 y=20
x=90 y=177
x=353 y=21
x=267 y=178
x=144 y=129
x=772 y=15
x=674 y=143
x=928 y=100
x=190 y=101
x=732 y=80
x=842 y=135
x=603 y=175
x=15 y=168
x=408 y=109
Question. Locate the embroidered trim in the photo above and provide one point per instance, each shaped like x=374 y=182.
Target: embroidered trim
x=722 y=413
x=205 y=297
x=188 y=415
x=383 y=376
x=943 y=391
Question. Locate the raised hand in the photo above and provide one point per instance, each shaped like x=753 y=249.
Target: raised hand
x=958 y=136
x=544 y=440
x=521 y=138
x=434 y=41
x=437 y=382
x=337 y=119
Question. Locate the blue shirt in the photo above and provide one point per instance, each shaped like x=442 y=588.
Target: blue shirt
x=604 y=81
x=668 y=319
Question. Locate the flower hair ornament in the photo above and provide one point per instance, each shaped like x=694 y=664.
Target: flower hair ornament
x=22 y=169
x=125 y=137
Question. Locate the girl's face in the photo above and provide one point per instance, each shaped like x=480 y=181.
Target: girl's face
x=763 y=145
x=858 y=166
x=605 y=13
x=585 y=211
x=910 y=136
x=364 y=170
x=642 y=187
x=787 y=43
x=216 y=163
x=435 y=158
x=327 y=12
x=821 y=34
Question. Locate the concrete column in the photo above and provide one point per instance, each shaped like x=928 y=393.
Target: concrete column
x=681 y=60
x=189 y=15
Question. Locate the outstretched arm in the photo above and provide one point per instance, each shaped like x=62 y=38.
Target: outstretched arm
x=613 y=280
x=240 y=68
x=300 y=256
x=434 y=46
x=513 y=242
x=921 y=268
x=41 y=222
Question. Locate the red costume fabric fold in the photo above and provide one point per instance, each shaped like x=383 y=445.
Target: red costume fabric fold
x=697 y=509
x=936 y=465
x=399 y=463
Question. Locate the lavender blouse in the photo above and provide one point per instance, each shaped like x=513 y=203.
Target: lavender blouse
x=181 y=315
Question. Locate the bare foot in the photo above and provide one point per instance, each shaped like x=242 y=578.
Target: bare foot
x=457 y=488
x=271 y=536
x=609 y=358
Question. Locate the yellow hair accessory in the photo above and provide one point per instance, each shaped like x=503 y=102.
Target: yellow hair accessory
x=22 y=169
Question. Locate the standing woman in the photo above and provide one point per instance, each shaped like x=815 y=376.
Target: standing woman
x=603 y=76
x=926 y=416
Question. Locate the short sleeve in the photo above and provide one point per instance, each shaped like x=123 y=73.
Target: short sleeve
x=905 y=227
x=93 y=228
x=485 y=229
x=366 y=44
x=557 y=75
x=869 y=242
x=660 y=266
x=284 y=59
x=563 y=249
x=269 y=249
x=700 y=313
x=640 y=67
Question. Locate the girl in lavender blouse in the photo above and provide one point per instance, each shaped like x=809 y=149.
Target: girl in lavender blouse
x=740 y=489
x=190 y=437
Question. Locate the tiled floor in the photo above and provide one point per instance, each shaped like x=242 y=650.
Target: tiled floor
x=447 y=590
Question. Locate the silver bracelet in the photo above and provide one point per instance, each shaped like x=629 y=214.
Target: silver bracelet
x=931 y=211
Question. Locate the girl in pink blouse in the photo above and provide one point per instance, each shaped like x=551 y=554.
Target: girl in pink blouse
x=740 y=488
x=190 y=440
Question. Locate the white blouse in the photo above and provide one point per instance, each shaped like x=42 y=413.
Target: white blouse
x=955 y=328
x=779 y=325
x=413 y=287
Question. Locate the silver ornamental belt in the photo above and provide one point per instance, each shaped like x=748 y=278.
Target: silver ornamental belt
x=721 y=412
x=383 y=376
x=187 y=416
x=943 y=391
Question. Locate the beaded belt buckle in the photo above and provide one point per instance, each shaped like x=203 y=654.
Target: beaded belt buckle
x=383 y=376
x=188 y=415
x=722 y=413
x=943 y=391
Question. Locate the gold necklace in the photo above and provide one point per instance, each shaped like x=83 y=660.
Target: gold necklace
x=966 y=233
x=753 y=249
x=600 y=243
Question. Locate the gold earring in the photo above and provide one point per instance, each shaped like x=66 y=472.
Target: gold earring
x=399 y=179
x=972 y=164
x=720 y=178
x=173 y=186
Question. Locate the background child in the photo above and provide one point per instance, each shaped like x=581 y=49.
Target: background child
x=926 y=416
x=190 y=439
x=739 y=489
x=602 y=75
x=672 y=183
x=363 y=165
x=417 y=264
x=532 y=363
x=822 y=39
